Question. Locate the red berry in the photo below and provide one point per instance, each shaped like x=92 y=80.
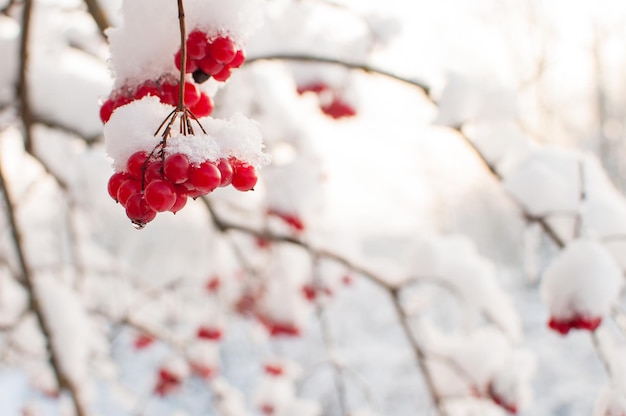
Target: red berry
x=143 y=341
x=209 y=65
x=169 y=94
x=238 y=60
x=267 y=409
x=338 y=108
x=244 y=177
x=223 y=75
x=205 y=178
x=176 y=168
x=223 y=50
x=315 y=87
x=120 y=101
x=106 y=110
x=154 y=171
x=587 y=323
x=160 y=195
x=204 y=107
x=135 y=164
x=126 y=189
x=191 y=64
x=138 y=211
x=560 y=326
x=196 y=45
x=226 y=170
x=181 y=199
x=145 y=90
x=114 y=183
x=202 y=370
x=309 y=292
x=212 y=334
x=192 y=94
x=273 y=369
x=213 y=284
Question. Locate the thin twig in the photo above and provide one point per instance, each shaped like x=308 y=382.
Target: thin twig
x=22 y=82
x=98 y=15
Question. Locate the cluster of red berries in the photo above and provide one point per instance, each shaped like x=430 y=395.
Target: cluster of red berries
x=210 y=57
x=563 y=326
x=200 y=104
x=331 y=103
x=153 y=184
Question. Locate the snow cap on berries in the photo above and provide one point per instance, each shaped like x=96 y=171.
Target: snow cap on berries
x=583 y=280
x=131 y=129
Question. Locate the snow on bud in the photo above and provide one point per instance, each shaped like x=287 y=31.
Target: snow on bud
x=547 y=181
x=501 y=143
x=610 y=402
x=203 y=358
x=70 y=328
x=275 y=393
x=582 y=281
x=464 y=99
x=511 y=384
x=228 y=400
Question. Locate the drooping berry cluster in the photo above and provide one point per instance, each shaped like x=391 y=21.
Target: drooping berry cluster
x=210 y=57
x=200 y=104
x=158 y=184
x=330 y=100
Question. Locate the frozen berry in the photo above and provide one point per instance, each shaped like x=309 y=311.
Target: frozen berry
x=205 y=178
x=223 y=75
x=106 y=110
x=160 y=195
x=226 y=170
x=209 y=65
x=204 y=107
x=181 y=199
x=244 y=177
x=196 y=45
x=138 y=210
x=176 y=168
x=135 y=164
x=223 y=50
x=126 y=189
x=114 y=183
x=238 y=60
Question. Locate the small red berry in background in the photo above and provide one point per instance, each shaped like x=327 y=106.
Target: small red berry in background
x=209 y=333
x=143 y=341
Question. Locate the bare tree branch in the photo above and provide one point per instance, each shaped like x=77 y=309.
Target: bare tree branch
x=34 y=305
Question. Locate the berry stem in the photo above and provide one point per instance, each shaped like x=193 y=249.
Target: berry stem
x=183 y=55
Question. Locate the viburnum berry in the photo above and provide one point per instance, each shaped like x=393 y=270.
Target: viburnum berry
x=114 y=183
x=107 y=110
x=154 y=171
x=273 y=370
x=205 y=177
x=196 y=45
x=563 y=326
x=166 y=382
x=204 y=106
x=138 y=210
x=142 y=341
x=126 y=189
x=181 y=199
x=238 y=60
x=176 y=168
x=226 y=170
x=209 y=333
x=160 y=195
x=223 y=75
x=338 y=108
x=223 y=49
x=244 y=176
x=135 y=164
